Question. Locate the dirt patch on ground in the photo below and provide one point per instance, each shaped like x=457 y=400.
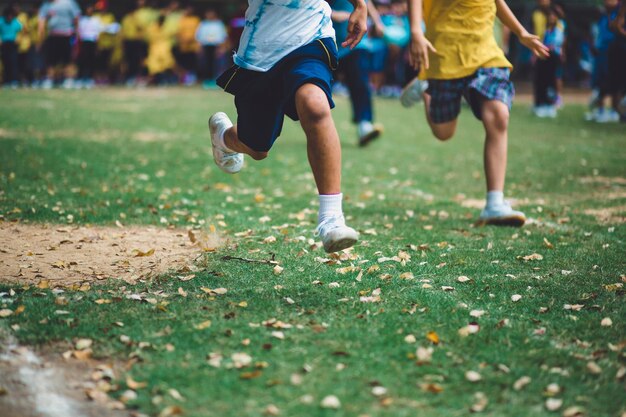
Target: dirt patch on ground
x=39 y=384
x=66 y=256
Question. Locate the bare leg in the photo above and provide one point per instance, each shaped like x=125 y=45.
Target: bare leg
x=232 y=142
x=495 y=115
x=323 y=147
x=442 y=131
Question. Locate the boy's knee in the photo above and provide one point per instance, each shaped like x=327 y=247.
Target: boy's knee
x=258 y=155
x=443 y=135
x=312 y=104
x=443 y=132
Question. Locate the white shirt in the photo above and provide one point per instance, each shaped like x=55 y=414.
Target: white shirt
x=89 y=28
x=278 y=27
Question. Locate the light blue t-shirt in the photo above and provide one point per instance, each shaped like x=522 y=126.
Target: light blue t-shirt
x=275 y=28
x=211 y=32
x=9 y=30
x=60 y=16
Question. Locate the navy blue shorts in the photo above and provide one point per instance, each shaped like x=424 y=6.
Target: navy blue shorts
x=484 y=84
x=264 y=98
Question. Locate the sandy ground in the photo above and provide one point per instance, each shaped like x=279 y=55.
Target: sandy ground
x=36 y=384
x=66 y=255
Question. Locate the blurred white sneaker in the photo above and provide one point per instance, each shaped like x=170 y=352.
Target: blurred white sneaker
x=69 y=84
x=335 y=234
x=412 y=93
x=368 y=131
x=502 y=215
x=227 y=161
x=47 y=84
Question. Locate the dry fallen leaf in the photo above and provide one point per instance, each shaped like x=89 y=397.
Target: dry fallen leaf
x=331 y=401
x=473 y=376
x=134 y=385
x=533 y=257
x=433 y=337
x=573 y=411
x=553 y=404
x=516 y=297
x=462 y=278
x=480 y=402
x=594 y=368
x=204 y=325
x=278 y=270
x=606 y=322
x=138 y=253
x=172 y=410
x=521 y=383
x=5 y=312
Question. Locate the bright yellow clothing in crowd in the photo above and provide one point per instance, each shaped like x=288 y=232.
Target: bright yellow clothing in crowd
x=462 y=33
x=540 y=22
x=106 y=40
x=29 y=35
x=131 y=28
x=160 y=56
x=187 y=34
x=171 y=24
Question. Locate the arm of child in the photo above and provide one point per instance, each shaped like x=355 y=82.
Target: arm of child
x=420 y=46
x=378 y=22
x=532 y=42
x=339 y=16
x=357 y=24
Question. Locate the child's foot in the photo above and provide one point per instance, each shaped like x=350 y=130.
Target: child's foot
x=501 y=215
x=228 y=161
x=368 y=132
x=335 y=234
x=412 y=93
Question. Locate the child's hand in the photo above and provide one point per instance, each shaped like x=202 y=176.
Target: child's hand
x=418 y=53
x=533 y=43
x=357 y=25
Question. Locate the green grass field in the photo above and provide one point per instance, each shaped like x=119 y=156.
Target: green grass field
x=143 y=158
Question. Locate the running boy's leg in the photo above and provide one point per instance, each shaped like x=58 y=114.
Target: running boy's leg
x=442 y=131
x=495 y=115
x=323 y=147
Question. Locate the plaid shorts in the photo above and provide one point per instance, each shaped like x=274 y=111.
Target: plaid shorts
x=484 y=84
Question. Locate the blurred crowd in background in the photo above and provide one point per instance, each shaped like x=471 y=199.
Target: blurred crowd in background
x=57 y=43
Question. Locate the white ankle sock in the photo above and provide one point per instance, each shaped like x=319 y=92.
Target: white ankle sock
x=495 y=198
x=220 y=139
x=330 y=205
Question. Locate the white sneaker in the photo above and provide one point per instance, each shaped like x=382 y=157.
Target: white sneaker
x=47 y=84
x=68 y=84
x=335 y=234
x=502 y=215
x=412 y=93
x=229 y=162
x=368 y=132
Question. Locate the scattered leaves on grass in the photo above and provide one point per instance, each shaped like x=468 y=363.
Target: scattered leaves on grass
x=5 y=312
x=516 y=297
x=463 y=278
x=172 y=410
x=134 y=385
x=606 y=322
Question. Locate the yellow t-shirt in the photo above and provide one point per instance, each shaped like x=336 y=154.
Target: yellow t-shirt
x=462 y=33
x=24 y=40
x=131 y=28
x=187 y=27
x=106 y=40
x=540 y=22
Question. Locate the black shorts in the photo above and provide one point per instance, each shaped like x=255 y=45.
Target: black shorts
x=617 y=67
x=58 y=50
x=263 y=99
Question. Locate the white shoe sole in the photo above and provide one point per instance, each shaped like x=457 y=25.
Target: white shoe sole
x=511 y=221
x=346 y=241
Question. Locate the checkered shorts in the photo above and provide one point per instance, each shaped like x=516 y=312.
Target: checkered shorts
x=484 y=84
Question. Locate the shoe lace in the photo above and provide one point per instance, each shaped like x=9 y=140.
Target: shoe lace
x=328 y=224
